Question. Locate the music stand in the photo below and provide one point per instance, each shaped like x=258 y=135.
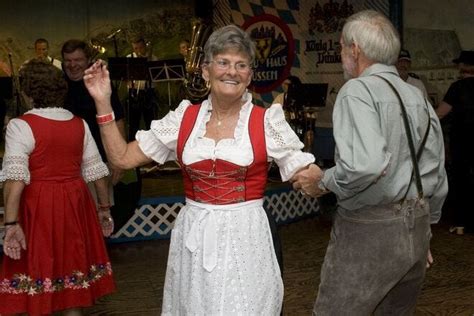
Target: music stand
x=308 y=95
x=306 y=99
x=128 y=68
x=166 y=71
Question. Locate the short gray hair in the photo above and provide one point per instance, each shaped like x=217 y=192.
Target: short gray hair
x=229 y=37
x=374 y=34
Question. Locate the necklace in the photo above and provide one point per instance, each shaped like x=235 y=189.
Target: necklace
x=219 y=120
x=222 y=121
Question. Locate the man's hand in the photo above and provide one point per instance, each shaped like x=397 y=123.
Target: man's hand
x=306 y=181
x=429 y=259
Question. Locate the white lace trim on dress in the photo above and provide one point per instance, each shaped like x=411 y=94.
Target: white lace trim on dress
x=15 y=168
x=59 y=114
x=93 y=168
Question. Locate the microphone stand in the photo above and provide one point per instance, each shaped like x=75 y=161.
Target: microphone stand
x=15 y=85
x=115 y=45
x=114 y=36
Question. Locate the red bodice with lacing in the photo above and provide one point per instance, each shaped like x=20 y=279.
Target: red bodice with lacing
x=219 y=181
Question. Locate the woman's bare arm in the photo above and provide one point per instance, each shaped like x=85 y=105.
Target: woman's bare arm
x=121 y=154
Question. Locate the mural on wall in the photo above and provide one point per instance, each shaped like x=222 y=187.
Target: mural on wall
x=108 y=25
x=432 y=48
x=432 y=53
x=162 y=30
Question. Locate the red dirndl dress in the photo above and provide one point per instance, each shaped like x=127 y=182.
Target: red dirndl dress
x=65 y=264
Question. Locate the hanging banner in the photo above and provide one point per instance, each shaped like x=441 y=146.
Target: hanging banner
x=321 y=27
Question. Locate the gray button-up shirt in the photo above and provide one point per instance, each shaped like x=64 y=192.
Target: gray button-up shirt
x=373 y=163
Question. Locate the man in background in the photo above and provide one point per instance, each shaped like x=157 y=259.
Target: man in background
x=142 y=99
x=42 y=53
x=19 y=103
x=183 y=48
x=403 y=66
x=459 y=104
x=76 y=56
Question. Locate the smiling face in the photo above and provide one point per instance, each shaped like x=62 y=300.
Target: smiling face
x=75 y=64
x=228 y=84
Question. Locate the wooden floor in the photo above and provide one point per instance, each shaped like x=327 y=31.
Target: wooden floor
x=140 y=269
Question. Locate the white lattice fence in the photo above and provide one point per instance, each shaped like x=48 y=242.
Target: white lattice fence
x=155 y=220
x=149 y=220
x=290 y=205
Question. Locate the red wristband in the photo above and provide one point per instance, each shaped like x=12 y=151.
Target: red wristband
x=106 y=118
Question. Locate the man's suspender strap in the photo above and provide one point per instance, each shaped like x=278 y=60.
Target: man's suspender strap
x=414 y=156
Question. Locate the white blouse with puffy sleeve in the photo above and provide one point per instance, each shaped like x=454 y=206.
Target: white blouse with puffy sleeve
x=283 y=145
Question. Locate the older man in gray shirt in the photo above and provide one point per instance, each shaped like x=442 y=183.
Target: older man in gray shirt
x=377 y=256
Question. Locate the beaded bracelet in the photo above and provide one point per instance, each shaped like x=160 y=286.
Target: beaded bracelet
x=105 y=119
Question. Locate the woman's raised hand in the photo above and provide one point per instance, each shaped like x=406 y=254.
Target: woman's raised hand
x=97 y=81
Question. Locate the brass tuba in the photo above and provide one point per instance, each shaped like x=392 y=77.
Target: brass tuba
x=194 y=84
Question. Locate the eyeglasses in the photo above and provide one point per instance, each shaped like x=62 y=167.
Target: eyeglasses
x=223 y=64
